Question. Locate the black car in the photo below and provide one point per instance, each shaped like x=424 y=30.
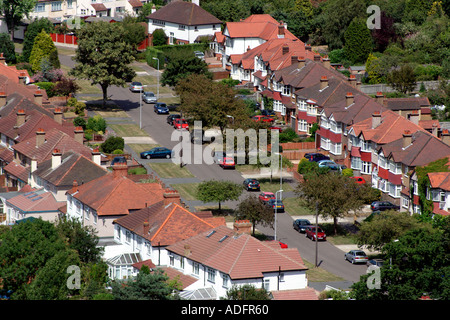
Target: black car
x=315 y=156
x=268 y=113
x=383 y=205
x=119 y=159
x=301 y=224
x=172 y=117
x=161 y=108
x=251 y=184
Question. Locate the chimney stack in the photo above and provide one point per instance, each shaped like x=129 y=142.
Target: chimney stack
x=349 y=99
x=414 y=117
x=407 y=138
x=323 y=82
x=281 y=31
x=120 y=169
x=376 y=119
x=316 y=57
x=285 y=49
x=294 y=59
x=327 y=62
x=379 y=97
x=20 y=117
x=57 y=115
x=96 y=157
x=2 y=98
x=38 y=97
x=307 y=47
x=40 y=137
x=79 y=134
x=435 y=129
x=23 y=78
x=56 y=158
x=146 y=227
x=242 y=226
x=445 y=137
x=171 y=196
x=301 y=62
x=352 y=80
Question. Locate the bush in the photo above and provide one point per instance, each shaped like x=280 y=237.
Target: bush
x=111 y=144
x=118 y=151
x=7 y=48
x=48 y=87
x=43 y=47
x=97 y=124
x=287 y=135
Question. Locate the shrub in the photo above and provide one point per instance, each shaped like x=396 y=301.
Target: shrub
x=48 y=87
x=287 y=135
x=97 y=124
x=79 y=122
x=118 y=151
x=43 y=47
x=111 y=144
x=7 y=48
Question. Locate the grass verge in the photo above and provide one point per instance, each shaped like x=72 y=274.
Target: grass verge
x=188 y=191
x=128 y=130
x=170 y=170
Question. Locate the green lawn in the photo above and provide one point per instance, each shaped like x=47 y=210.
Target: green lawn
x=141 y=147
x=128 y=130
x=170 y=170
x=273 y=186
x=188 y=191
x=293 y=206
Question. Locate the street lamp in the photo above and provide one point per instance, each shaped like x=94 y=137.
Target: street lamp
x=157 y=94
x=140 y=106
x=275 y=226
x=279 y=191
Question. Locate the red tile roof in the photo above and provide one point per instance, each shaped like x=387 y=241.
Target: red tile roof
x=440 y=180
x=114 y=194
x=299 y=294
x=241 y=256
x=35 y=202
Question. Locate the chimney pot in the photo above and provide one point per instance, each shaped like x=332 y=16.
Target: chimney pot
x=376 y=119
x=56 y=158
x=323 y=82
x=301 y=62
x=120 y=169
x=407 y=138
x=349 y=98
x=40 y=137
x=146 y=227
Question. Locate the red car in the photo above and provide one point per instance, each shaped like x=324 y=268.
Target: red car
x=276 y=128
x=359 y=180
x=181 y=124
x=310 y=232
x=228 y=162
x=266 y=196
x=262 y=118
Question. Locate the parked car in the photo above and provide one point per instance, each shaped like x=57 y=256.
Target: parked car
x=269 y=113
x=161 y=108
x=199 y=55
x=301 y=224
x=136 y=86
x=276 y=204
x=375 y=262
x=149 y=97
x=315 y=156
x=181 y=124
x=383 y=205
x=310 y=232
x=356 y=256
x=266 y=196
x=260 y=118
x=251 y=184
x=228 y=163
x=172 y=117
x=358 y=179
x=119 y=159
x=157 y=152
x=218 y=157
x=276 y=128
x=328 y=163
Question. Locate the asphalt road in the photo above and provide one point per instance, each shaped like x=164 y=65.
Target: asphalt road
x=329 y=257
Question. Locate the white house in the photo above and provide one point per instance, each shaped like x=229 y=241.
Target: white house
x=183 y=22
x=220 y=258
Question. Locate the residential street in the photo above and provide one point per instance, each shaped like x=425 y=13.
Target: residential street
x=330 y=257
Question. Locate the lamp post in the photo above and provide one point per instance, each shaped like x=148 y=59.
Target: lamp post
x=140 y=106
x=276 y=200
x=157 y=94
x=279 y=191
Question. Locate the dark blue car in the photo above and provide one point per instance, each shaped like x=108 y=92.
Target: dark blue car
x=158 y=152
x=161 y=108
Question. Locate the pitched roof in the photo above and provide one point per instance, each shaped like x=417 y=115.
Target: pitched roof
x=440 y=180
x=391 y=128
x=17 y=171
x=241 y=256
x=410 y=103
x=298 y=294
x=73 y=166
x=35 y=201
x=424 y=148
x=115 y=194
x=167 y=224
x=99 y=6
x=54 y=139
x=18 y=101
x=185 y=13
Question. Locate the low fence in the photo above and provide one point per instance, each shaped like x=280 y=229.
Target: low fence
x=64 y=38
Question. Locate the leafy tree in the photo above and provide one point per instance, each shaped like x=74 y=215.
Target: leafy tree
x=7 y=48
x=43 y=48
x=386 y=34
x=145 y=11
x=182 y=64
x=332 y=194
x=103 y=56
x=415 y=265
x=111 y=144
x=358 y=41
x=66 y=87
x=384 y=228
x=373 y=69
x=246 y=292
x=253 y=209
x=159 y=37
x=14 y=11
x=134 y=32
x=146 y=286
x=210 y=102
x=403 y=80
x=218 y=191
x=96 y=124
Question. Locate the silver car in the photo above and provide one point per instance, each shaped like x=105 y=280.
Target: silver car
x=149 y=97
x=356 y=256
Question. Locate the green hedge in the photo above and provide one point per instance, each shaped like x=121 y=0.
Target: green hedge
x=161 y=52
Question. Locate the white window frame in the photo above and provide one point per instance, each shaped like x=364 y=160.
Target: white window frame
x=211 y=275
x=366 y=167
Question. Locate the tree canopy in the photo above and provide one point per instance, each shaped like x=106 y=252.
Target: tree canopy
x=33 y=29
x=256 y=211
x=181 y=64
x=103 y=56
x=218 y=191
x=14 y=11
